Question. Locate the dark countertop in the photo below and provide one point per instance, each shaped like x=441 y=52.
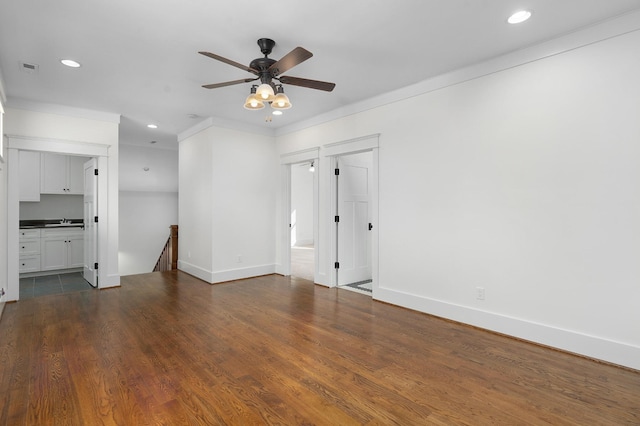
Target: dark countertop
x=51 y=223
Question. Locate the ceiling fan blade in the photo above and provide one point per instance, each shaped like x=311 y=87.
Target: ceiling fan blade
x=228 y=83
x=304 y=82
x=229 y=61
x=290 y=60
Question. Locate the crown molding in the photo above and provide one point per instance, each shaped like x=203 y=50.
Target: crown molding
x=226 y=124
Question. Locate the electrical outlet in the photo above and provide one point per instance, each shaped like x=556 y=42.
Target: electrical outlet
x=480 y=293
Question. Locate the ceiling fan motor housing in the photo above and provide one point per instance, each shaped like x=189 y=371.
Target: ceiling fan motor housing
x=263 y=64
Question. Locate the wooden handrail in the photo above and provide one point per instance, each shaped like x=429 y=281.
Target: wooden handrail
x=168 y=259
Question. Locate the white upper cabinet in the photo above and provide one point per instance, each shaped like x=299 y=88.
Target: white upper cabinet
x=29 y=169
x=62 y=174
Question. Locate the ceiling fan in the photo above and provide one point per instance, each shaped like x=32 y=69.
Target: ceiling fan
x=268 y=70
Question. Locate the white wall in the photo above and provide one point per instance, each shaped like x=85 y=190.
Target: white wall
x=145 y=218
x=301 y=205
x=227 y=204
x=523 y=182
x=53 y=206
x=162 y=175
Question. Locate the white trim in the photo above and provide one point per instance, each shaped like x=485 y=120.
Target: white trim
x=619 y=353
x=241 y=273
x=24 y=104
x=352 y=146
x=59 y=146
x=300 y=156
x=3 y=94
x=614 y=27
x=226 y=124
x=196 y=271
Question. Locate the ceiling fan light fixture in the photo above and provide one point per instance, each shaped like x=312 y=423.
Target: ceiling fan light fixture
x=281 y=101
x=265 y=92
x=253 y=102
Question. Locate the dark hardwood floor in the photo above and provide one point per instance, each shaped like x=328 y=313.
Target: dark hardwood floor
x=166 y=348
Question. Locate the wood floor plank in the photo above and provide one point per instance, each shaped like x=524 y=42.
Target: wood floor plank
x=168 y=349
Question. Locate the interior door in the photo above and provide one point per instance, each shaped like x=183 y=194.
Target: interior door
x=354 y=236
x=90 y=271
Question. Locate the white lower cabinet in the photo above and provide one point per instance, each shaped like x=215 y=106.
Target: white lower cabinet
x=29 y=250
x=61 y=248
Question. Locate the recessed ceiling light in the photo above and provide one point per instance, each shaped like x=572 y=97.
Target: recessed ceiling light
x=519 y=17
x=70 y=63
x=277 y=113
x=152 y=126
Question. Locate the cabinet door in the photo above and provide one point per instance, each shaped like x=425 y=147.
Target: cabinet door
x=53 y=253
x=53 y=178
x=76 y=175
x=29 y=169
x=75 y=252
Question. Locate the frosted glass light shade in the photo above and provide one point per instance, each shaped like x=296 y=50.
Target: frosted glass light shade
x=265 y=92
x=253 y=102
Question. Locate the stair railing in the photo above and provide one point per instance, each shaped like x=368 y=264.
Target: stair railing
x=168 y=259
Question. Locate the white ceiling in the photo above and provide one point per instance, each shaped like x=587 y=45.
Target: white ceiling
x=139 y=58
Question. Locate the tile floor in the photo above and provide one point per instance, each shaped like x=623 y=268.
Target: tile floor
x=52 y=284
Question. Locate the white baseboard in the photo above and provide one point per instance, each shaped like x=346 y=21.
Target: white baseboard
x=196 y=271
x=111 y=281
x=238 y=274
x=590 y=346
x=213 y=277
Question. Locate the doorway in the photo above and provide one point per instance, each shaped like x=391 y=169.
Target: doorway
x=302 y=214
x=57 y=238
x=353 y=190
x=69 y=148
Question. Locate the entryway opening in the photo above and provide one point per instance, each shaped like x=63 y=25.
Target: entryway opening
x=302 y=220
x=353 y=187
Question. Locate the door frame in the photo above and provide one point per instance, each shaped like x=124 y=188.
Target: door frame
x=18 y=143
x=332 y=152
x=286 y=162
x=342 y=163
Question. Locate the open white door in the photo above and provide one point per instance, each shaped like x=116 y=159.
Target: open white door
x=354 y=236
x=90 y=271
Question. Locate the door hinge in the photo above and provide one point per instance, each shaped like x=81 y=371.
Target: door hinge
x=95 y=265
x=337 y=172
x=336 y=265
x=95 y=219
x=95 y=172
x=336 y=219
x=370 y=226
